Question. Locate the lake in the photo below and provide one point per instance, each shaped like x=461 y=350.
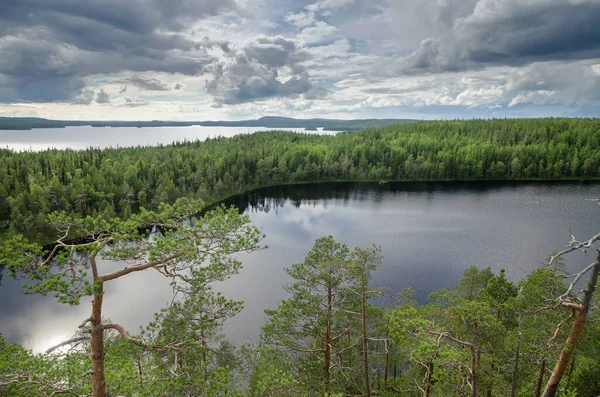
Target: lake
x=430 y=233
x=82 y=137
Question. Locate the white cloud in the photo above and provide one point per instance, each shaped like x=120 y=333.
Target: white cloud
x=319 y=33
x=301 y=19
x=129 y=101
x=328 y=4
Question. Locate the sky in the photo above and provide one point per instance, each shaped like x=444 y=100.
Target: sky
x=244 y=59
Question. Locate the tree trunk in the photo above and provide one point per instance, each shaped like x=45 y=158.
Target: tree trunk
x=540 y=380
x=474 y=361
x=364 y=339
x=97 y=345
x=570 y=373
x=387 y=355
x=328 y=341
x=430 y=368
x=574 y=334
x=204 y=365
x=517 y=350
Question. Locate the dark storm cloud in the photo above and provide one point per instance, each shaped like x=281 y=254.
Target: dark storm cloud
x=133 y=16
x=48 y=47
x=511 y=32
x=253 y=73
x=36 y=71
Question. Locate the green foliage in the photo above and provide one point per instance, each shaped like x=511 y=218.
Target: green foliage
x=318 y=328
x=23 y=374
x=118 y=182
x=186 y=242
x=473 y=281
x=194 y=251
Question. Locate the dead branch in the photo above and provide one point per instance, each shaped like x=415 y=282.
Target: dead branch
x=84 y=322
x=447 y=335
x=575 y=245
x=558 y=327
x=121 y=330
x=577 y=277
x=68 y=342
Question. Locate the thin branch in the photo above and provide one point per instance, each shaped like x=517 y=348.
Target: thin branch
x=121 y=330
x=576 y=279
x=68 y=342
x=575 y=245
x=558 y=327
x=447 y=335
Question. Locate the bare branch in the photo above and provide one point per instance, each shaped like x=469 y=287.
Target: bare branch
x=447 y=335
x=575 y=245
x=68 y=342
x=121 y=330
x=577 y=277
x=558 y=327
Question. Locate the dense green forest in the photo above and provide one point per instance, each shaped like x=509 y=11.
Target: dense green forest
x=117 y=182
x=488 y=337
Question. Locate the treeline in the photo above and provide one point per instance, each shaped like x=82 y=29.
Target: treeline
x=482 y=339
x=117 y=182
x=27 y=123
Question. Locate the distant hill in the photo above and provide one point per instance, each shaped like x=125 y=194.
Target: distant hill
x=27 y=123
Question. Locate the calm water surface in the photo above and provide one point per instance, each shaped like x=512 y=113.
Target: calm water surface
x=82 y=137
x=429 y=234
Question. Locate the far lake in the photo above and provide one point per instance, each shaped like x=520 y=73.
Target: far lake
x=430 y=232
x=102 y=137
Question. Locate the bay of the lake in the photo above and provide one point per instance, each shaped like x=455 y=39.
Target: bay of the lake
x=429 y=232
x=82 y=137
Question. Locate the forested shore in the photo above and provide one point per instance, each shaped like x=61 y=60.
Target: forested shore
x=118 y=182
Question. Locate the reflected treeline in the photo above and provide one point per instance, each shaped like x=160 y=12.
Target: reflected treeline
x=271 y=198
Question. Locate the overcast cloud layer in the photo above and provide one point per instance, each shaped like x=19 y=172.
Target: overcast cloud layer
x=232 y=59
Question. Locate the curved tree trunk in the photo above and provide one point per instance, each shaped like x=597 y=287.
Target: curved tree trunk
x=574 y=334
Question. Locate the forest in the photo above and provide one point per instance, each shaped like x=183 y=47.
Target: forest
x=487 y=337
x=118 y=182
